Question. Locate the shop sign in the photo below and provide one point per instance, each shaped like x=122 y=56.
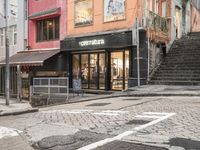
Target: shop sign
x=92 y=42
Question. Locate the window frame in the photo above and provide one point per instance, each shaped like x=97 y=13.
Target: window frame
x=40 y=34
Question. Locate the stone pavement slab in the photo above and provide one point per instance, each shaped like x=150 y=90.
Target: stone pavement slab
x=14 y=143
x=15 y=107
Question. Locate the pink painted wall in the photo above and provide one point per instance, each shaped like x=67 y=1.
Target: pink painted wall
x=42 y=5
x=195 y=19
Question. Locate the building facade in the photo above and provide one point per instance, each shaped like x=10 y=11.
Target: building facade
x=17 y=33
x=101 y=39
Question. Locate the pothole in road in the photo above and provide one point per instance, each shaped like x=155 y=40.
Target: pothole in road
x=131 y=99
x=98 y=104
x=187 y=144
x=122 y=145
x=137 y=122
x=69 y=142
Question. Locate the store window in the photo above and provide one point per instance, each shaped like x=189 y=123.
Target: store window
x=48 y=29
x=83 y=12
x=114 y=10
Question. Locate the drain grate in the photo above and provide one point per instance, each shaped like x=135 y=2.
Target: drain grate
x=137 y=122
x=99 y=104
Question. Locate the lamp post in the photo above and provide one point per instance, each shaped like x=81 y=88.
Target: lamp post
x=7 y=72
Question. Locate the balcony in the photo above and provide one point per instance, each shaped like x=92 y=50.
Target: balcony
x=157 y=23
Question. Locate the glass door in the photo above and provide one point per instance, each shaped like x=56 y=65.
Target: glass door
x=93 y=71
x=117 y=70
x=91 y=68
x=102 y=71
x=84 y=71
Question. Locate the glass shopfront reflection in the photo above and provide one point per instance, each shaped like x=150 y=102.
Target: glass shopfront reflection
x=92 y=71
x=96 y=73
x=119 y=70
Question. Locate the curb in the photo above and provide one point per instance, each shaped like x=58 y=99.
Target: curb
x=18 y=112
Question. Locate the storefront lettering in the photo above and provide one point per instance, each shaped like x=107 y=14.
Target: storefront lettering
x=92 y=42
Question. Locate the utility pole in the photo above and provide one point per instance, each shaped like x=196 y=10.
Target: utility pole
x=7 y=72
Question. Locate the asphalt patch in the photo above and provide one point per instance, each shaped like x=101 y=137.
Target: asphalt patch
x=137 y=122
x=121 y=145
x=187 y=144
x=99 y=104
x=69 y=142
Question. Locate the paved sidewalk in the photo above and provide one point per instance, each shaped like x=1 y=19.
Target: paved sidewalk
x=15 y=107
x=161 y=90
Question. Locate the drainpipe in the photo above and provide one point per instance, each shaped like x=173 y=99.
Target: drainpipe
x=19 y=83
x=138 y=53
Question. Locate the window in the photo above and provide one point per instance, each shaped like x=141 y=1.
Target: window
x=156 y=6
x=83 y=12
x=14 y=35
x=25 y=9
x=10 y=35
x=1 y=37
x=163 y=8
x=149 y=5
x=48 y=29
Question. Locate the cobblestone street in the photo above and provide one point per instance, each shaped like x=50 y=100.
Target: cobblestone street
x=101 y=117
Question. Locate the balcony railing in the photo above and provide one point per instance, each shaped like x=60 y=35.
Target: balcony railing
x=158 y=23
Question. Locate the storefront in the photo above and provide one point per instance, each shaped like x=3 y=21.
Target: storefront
x=103 y=62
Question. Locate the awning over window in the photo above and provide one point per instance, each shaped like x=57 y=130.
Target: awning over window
x=32 y=58
x=46 y=13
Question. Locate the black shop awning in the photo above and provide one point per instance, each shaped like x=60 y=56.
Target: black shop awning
x=32 y=58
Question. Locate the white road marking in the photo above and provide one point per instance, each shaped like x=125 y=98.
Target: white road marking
x=67 y=111
x=145 y=116
x=106 y=114
x=77 y=111
x=127 y=133
x=112 y=111
x=8 y=132
x=155 y=113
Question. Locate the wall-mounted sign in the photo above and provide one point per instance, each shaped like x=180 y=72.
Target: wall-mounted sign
x=101 y=42
x=92 y=42
x=114 y=10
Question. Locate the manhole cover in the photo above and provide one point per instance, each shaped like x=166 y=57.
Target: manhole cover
x=137 y=122
x=99 y=104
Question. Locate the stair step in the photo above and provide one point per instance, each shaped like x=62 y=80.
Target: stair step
x=181 y=66
x=175 y=82
x=177 y=78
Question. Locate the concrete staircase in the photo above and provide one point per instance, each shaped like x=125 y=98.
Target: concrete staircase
x=182 y=64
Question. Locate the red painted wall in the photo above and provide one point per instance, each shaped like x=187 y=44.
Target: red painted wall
x=42 y=5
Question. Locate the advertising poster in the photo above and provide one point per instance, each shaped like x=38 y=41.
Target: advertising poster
x=114 y=10
x=83 y=12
